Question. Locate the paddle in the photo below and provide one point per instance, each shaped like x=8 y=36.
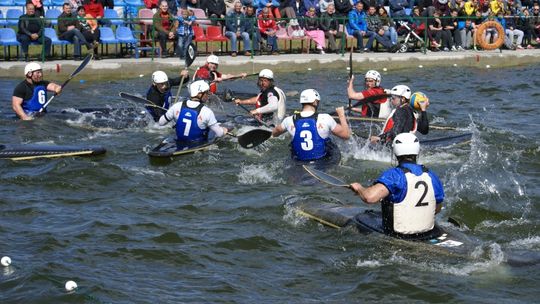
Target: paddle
x=326 y=178
x=350 y=72
x=190 y=57
x=253 y=138
x=139 y=99
x=237 y=77
x=375 y=119
x=228 y=96
x=77 y=71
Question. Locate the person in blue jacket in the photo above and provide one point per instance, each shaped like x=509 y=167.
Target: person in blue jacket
x=410 y=194
x=30 y=95
x=357 y=27
x=311 y=130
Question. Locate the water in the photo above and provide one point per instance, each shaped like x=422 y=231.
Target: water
x=217 y=226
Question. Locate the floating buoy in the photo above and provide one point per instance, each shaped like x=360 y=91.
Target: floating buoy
x=5 y=261
x=487 y=66
x=384 y=69
x=420 y=66
x=70 y=285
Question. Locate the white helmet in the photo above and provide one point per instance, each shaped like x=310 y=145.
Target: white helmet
x=199 y=86
x=401 y=90
x=31 y=67
x=213 y=59
x=266 y=73
x=406 y=144
x=372 y=74
x=309 y=96
x=159 y=77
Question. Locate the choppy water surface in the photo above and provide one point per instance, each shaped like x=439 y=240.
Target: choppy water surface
x=216 y=226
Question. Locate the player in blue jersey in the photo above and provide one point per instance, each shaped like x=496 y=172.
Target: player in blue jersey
x=30 y=95
x=410 y=194
x=159 y=94
x=311 y=130
x=193 y=119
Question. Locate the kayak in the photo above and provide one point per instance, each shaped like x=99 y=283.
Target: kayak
x=446 y=141
x=370 y=221
x=169 y=147
x=33 y=151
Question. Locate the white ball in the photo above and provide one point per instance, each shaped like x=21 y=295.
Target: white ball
x=348 y=68
x=455 y=64
x=385 y=69
x=70 y=285
x=487 y=66
x=309 y=69
x=420 y=66
x=5 y=261
x=141 y=75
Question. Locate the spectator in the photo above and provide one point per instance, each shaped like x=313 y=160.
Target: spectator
x=151 y=4
x=90 y=29
x=467 y=33
x=31 y=31
x=323 y=6
x=74 y=4
x=190 y=4
x=38 y=6
x=526 y=24
x=107 y=4
x=235 y=27
x=330 y=25
x=343 y=7
x=252 y=28
x=536 y=21
x=470 y=7
x=215 y=10
x=426 y=7
x=441 y=6
x=450 y=32
x=273 y=5
x=184 y=32
x=165 y=25
x=173 y=7
x=458 y=5
x=397 y=8
x=95 y=9
x=299 y=9
x=268 y=29
x=286 y=9
x=357 y=26
x=511 y=31
x=389 y=25
x=70 y=30
x=312 y=29
x=311 y=3
x=375 y=29
x=435 y=30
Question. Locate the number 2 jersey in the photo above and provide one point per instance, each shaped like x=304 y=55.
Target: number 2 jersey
x=311 y=132
x=410 y=206
x=34 y=96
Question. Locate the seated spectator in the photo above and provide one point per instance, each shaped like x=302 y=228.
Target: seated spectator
x=70 y=30
x=375 y=29
x=165 y=25
x=323 y=6
x=215 y=10
x=95 y=9
x=435 y=30
x=184 y=32
x=90 y=29
x=252 y=28
x=512 y=31
x=312 y=29
x=31 y=31
x=397 y=8
x=343 y=7
x=536 y=17
x=299 y=9
x=235 y=27
x=330 y=25
x=389 y=25
x=268 y=29
x=526 y=24
x=357 y=26
x=450 y=32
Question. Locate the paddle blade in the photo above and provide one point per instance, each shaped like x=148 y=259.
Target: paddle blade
x=325 y=177
x=253 y=138
x=191 y=54
x=82 y=65
x=134 y=98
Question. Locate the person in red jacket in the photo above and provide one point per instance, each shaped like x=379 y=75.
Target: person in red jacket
x=268 y=28
x=95 y=9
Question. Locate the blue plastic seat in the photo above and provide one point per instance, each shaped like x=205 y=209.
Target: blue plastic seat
x=57 y=3
x=21 y=3
x=51 y=33
x=6 y=2
x=112 y=15
x=3 y=21
x=12 y=16
x=107 y=37
x=51 y=15
x=125 y=35
x=8 y=38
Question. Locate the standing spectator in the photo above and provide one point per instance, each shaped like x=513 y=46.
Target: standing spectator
x=165 y=25
x=70 y=30
x=95 y=9
x=357 y=26
x=215 y=9
x=323 y=6
x=252 y=28
x=470 y=7
x=536 y=21
x=31 y=30
x=312 y=29
x=389 y=25
x=38 y=6
x=184 y=32
x=268 y=28
x=90 y=29
x=343 y=7
x=235 y=27
x=397 y=8
x=299 y=9
x=330 y=25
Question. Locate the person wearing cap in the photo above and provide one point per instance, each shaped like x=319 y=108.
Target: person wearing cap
x=30 y=95
x=270 y=102
x=210 y=74
x=311 y=130
x=193 y=119
x=410 y=194
x=373 y=98
x=401 y=119
x=159 y=93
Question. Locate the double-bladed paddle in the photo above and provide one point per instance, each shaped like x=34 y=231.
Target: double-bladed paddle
x=325 y=177
x=228 y=96
x=77 y=71
x=191 y=53
x=253 y=138
x=136 y=98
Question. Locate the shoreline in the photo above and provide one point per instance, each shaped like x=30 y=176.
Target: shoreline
x=124 y=68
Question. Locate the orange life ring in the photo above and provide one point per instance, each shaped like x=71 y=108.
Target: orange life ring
x=480 y=39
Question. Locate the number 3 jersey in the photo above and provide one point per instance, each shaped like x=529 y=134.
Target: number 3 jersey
x=34 y=96
x=311 y=132
x=410 y=206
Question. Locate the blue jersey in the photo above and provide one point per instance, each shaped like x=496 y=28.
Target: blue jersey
x=307 y=144
x=396 y=183
x=33 y=95
x=187 y=128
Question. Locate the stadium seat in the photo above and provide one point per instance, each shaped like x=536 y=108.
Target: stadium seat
x=12 y=16
x=8 y=38
x=51 y=33
x=51 y=16
x=107 y=37
x=112 y=15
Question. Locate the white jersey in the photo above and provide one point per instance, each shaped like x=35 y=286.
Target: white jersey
x=416 y=213
x=325 y=124
x=206 y=118
x=385 y=109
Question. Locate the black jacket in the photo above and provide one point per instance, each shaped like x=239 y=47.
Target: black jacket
x=30 y=25
x=65 y=20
